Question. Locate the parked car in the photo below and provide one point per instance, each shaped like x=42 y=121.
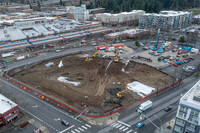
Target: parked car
x=65 y=123
x=175 y=65
x=140 y=125
x=168 y=108
x=191 y=58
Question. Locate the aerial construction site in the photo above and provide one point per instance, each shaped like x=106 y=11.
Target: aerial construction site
x=100 y=84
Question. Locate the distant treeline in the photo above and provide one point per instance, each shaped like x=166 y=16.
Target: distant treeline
x=115 y=6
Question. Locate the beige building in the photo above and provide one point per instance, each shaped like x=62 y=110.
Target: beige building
x=124 y=18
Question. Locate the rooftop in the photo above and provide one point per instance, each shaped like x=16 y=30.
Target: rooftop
x=192 y=97
x=6 y=104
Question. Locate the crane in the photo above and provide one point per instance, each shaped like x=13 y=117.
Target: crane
x=156 y=44
x=161 y=50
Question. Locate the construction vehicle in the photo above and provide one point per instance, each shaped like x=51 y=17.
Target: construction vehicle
x=92 y=56
x=161 y=50
x=121 y=93
x=116 y=57
x=156 y=44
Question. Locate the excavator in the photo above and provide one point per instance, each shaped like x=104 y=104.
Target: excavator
x=116 y=57
x=92 y=56
x=121 y=93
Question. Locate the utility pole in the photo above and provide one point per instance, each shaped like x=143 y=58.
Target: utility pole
x=148 y=119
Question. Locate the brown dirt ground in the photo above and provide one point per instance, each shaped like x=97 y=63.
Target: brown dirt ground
x=94 y=81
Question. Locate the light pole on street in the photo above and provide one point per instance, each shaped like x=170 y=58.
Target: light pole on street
x=160 y=123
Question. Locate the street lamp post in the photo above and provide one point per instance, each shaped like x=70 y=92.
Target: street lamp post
x=160 y=123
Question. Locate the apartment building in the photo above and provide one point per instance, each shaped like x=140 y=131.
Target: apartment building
x=123 y=18
x=166 y=20
x=188 y=113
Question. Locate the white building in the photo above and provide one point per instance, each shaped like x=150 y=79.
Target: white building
x=80 y=13
x=188 y=114
x=123 y=18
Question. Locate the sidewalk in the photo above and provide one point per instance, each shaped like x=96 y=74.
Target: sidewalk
x=166 y=127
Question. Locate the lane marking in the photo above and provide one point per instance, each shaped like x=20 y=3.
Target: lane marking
x=37 y=118
x=125 y=129
x=73 y=132
x=84 y=127
x=39 y=100
x=88 y=125
x=124 y=123
x=66 y=129
x=129 y=131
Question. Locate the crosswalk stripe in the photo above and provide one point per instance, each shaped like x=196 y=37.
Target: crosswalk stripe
x=80 y=129
x=124 y=123
x=84 y=127
x=125 y=129
x=115 y=124
x=118 y=126
x=129 y=131
x=77 y=130
x=122 y=127
x=73 y=132
x=88 y=125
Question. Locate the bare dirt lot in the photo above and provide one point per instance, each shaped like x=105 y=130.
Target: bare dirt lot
x=99 y=83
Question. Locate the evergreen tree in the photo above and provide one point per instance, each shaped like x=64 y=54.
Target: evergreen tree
x=61 y=2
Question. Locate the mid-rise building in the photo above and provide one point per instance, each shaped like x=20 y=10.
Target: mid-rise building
x=188 y=113
x=8 y=110
x=166 y=20
x=196 y=19
x=124 y=18
x=80 y=13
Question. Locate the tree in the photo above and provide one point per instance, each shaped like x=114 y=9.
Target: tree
x=30 y=6
x=181 y=39
x=61 y=2
x=137 y=43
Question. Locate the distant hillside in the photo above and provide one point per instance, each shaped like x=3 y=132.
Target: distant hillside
x=147 y=5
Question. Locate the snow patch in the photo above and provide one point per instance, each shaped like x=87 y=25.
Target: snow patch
x=49 y=64
x=60 y=64
x=64 y=79
x=141 y=89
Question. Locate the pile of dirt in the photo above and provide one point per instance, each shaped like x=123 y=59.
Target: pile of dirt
x=95 y=78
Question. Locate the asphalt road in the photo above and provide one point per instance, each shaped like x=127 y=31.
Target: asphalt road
x=130 y=117
x=48 y=115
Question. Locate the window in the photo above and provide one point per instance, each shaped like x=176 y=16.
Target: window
x=194 y=112
x=190 y=127
x=183 y=109
x=180 y=122
x=182 y=115
x=178 y=129
x=193 y=118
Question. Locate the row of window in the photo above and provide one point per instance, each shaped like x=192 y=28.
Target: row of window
x=11 y=114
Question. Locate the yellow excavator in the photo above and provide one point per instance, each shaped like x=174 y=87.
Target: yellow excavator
x=121 y=93
x=116 y=57
x=92 y=56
